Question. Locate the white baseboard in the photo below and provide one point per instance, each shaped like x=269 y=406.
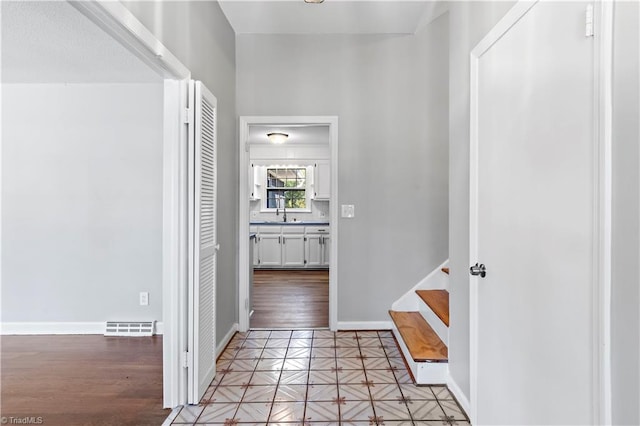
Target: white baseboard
x=36 y=328
x=172 y=416
x=462 y=398
x=364 y=325
x=226 y=339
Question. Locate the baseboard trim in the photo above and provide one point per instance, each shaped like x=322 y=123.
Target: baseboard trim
x=37 y=328
x=364 y=325
x=226 y=339
x=463 y=400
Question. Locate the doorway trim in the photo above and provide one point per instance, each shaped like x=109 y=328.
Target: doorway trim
x=243 y=211
x=602 y=195
x=117 y=21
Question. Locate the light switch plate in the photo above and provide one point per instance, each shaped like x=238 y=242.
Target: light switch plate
x=348 y=211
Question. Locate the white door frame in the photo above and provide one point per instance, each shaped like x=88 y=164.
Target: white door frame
x=601 y=377
x=243 y=231
x=127 y=30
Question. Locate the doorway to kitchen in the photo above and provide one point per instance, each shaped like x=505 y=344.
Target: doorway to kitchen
x=288 y=222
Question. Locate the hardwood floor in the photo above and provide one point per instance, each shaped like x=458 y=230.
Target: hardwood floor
x=83 y=380
x=290 y=299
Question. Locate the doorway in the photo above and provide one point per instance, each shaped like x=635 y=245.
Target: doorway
x=288 y=222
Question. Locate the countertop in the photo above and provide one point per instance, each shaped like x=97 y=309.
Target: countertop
x=299 y=223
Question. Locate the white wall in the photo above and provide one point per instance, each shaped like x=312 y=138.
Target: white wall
x=468 y=24
x=626 y=216
x=198 y=34
x=390 y=95
x=82 y=202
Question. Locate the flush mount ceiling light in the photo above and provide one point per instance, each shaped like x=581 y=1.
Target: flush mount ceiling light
x=313 y=1
x=277 y=137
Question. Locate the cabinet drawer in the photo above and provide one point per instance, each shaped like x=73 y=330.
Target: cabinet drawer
x=293 y=229
x=318 y=229
x=269 y=229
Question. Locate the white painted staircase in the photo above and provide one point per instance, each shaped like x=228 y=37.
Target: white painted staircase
x=421 y=327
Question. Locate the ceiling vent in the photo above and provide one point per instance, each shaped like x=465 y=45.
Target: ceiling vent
x=131 y=329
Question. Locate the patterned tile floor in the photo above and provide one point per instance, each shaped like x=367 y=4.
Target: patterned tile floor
x=318 y=377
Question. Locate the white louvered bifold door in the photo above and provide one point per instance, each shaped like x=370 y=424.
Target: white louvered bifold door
x=202 y=244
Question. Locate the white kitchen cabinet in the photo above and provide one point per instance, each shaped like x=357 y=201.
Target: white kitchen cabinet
x=326 y=250
x=293 y=250
x=314 y=250
x=317 y=246
x=269 y=250
x=291 y=246
x=322 y=180
x=255 y=246
x=254 y=182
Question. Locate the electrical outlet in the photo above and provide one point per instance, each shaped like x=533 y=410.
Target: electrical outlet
x=144 y=298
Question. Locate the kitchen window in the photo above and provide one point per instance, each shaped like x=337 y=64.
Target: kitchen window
x=287 y=188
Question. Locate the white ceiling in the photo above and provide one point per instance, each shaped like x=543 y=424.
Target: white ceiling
x=330 y=17
x=52 y=42
x=298 y=134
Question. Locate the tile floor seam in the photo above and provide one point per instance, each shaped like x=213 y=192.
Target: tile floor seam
x=366 y=383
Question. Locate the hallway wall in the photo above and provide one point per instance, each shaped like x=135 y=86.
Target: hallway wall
x=199 y=35
x=390 y=95
x=81 y=203
x=625 y=321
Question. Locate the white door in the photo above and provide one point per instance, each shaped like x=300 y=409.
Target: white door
x=202 y=242
x=533 y=201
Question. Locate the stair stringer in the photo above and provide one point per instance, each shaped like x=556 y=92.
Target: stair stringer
x=436 y=280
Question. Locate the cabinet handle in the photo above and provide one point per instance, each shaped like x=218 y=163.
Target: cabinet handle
x=283 y=240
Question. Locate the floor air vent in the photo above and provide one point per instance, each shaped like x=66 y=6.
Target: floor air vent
x=133 y=329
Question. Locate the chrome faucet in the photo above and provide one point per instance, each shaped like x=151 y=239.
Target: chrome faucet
x=284 y=211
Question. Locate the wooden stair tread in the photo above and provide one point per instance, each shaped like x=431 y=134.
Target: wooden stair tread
x=438 y=301
x=445 y=270
x=423 y=343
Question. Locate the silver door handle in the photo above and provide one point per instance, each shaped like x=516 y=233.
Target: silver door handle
x=478 y=269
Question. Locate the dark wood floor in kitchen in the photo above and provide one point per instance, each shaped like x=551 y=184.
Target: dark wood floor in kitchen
x=290 y=299
x=82 y=380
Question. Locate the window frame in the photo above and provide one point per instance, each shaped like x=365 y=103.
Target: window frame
x=264 y=173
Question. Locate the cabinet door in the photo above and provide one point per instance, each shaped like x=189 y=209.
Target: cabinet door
x=254 y=182
x=270 y=252
x=293 y=250
x=255 y=246
x=322 y=180
x=326 y=250
x=314 y=250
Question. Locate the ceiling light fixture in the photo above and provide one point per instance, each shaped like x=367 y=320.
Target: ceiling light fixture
x=313 y=1
x=277 y=137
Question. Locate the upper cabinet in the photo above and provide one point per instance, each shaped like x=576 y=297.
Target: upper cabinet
x=322 y=180
x=254 y=182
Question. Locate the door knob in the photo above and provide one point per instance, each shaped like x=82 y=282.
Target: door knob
x=478 y=269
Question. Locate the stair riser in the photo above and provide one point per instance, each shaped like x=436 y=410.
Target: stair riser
x=424 y=373
x=436 y=323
